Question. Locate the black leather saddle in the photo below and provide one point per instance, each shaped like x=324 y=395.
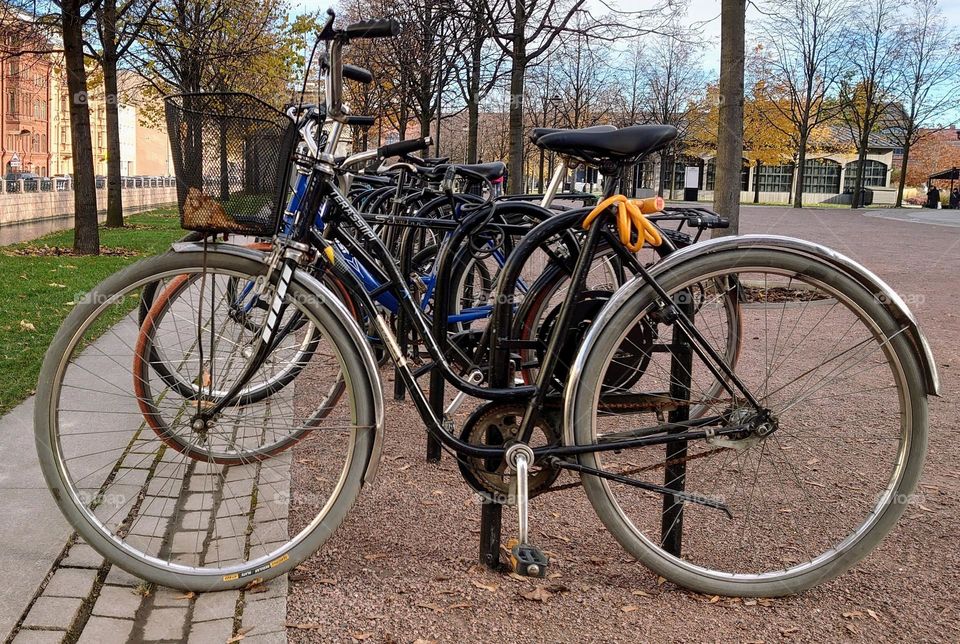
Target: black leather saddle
x=538 y=132
x=624 y=145
x=488 y=171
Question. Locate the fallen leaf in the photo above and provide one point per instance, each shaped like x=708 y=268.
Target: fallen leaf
x=786 y=630
x=661 y=581
x=423 y=641
x=873 y=614
x=629 y=608
x=188 y=595
x=304 y=626
x=361 y=636
x=852 y=629
x=853 y=613
x=376 y=555
x=405 y=467
x=640 y=593
x=479 y=584
x=433 y=607
x=56 y=285
x=240 y=635
x=714 y=599
x=27 y=326
x=538 y=594
x=516 y=577
x=460 y=605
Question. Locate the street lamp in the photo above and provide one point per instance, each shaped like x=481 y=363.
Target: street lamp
x=555 y=102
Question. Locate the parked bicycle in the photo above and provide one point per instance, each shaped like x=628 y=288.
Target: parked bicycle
x=761 y=470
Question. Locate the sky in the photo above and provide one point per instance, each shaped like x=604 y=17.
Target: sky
x=705 y=12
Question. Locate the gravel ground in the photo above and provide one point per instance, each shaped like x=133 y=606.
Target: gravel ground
x=402 y=567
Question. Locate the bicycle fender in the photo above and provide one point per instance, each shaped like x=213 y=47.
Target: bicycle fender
x=884 y=294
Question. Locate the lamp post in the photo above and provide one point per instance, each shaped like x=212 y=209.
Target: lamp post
x=555 y=102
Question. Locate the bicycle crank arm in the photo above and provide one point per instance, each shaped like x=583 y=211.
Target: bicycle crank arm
x=652 y=487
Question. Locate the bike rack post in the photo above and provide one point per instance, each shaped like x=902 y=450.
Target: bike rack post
x=675 y=467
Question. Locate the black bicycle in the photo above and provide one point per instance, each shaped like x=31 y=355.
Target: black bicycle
x=764 y=473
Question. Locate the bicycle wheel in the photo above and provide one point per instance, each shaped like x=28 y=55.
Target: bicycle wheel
x=183 y=517
x=812 y=489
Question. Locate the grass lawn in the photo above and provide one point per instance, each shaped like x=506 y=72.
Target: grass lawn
x=36 y=291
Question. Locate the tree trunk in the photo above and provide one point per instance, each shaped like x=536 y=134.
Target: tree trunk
x=86 y=236
x=112 y=100
x=473 y=91
x=798 y=169
x=516 y=127
x=903 y=176
x=729 y=161
x=517 y=73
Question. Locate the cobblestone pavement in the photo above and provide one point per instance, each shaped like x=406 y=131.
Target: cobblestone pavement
x=174 y=507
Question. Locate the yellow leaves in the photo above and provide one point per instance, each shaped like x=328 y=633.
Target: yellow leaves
x=27 y=326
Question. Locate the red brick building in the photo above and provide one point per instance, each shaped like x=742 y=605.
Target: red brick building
x=24 y=108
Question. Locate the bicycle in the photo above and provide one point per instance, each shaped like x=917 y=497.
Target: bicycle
x=625 y=408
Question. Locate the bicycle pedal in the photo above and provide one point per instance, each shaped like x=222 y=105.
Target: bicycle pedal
x=528 y=560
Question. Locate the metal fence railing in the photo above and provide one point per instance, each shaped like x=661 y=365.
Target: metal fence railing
x=61 y=184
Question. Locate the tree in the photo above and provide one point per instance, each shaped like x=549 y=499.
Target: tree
x=117 y=28
x=927 y=80
x=525 y=30
x=480 y=69
x=74 y=15
x=673 y=84
x=801 y=62
x=726 y=196
x=869 y=88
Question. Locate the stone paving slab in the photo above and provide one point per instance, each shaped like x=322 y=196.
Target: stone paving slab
x=63 y=589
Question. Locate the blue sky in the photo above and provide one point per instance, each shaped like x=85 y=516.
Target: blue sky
x=704 y=12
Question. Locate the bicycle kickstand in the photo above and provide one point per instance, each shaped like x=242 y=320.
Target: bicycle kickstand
x=525 y=558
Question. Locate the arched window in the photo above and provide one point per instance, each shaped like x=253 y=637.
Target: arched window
x=711 y=175
x=775 y=178
x=821 y=176
x=874 y=174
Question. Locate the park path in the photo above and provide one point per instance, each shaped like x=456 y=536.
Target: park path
x=58 y=589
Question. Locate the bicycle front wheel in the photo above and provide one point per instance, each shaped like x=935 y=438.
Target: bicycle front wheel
x=201 y=507
x=812 y=488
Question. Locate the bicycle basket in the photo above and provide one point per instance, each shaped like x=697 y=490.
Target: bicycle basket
x=231 y=156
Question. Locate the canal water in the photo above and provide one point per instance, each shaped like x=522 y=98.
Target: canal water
x=25 y=231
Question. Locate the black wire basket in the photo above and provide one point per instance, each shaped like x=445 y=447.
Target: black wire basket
x=231 y=155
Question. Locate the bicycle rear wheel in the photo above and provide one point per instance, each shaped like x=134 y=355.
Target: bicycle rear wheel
x=813 y=490
x=200 y=508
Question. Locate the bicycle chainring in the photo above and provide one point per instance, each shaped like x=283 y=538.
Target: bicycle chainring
x=496 y=425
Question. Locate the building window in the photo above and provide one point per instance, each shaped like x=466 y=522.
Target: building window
x=821 y=176
x=711 y=175
x=776 y=178
x=874 y=174
x=12 y=102
x=14 y=67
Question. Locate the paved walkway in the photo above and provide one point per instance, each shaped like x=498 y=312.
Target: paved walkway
x=918 y=216
x=58 y=589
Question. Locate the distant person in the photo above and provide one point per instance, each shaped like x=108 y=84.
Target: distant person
x=955 y=199
x=497 y=186
x=933 y=197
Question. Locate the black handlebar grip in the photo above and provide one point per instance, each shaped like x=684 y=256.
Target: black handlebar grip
x=404 y=147
x=382 y=28
x=361 y=121
x=358 y=74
